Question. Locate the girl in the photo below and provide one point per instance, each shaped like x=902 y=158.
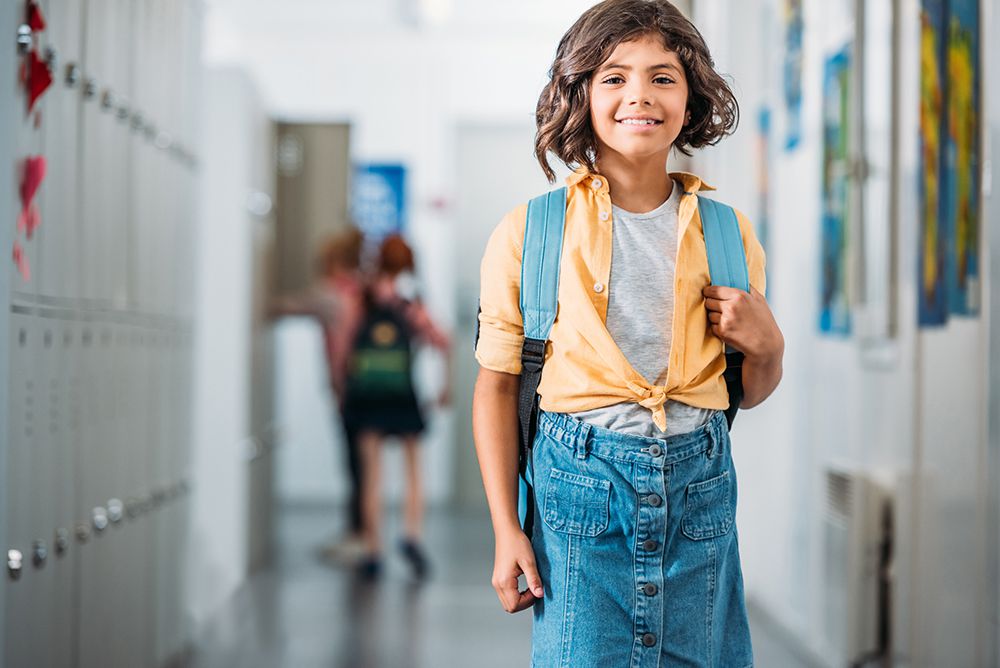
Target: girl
x=381 y=401
x=634 y=559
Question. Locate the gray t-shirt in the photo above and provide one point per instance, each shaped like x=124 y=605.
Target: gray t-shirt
x=641 y=314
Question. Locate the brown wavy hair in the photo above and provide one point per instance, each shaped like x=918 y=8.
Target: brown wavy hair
x=394 y=256
x=563 y=112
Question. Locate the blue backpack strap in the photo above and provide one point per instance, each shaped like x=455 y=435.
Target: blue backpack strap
x=727 y=266
x=727 y=260
x=540 y=257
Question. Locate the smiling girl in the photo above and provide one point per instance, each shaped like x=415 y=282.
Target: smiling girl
x=634 y=559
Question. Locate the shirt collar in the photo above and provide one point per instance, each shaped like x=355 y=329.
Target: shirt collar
x=691 y=182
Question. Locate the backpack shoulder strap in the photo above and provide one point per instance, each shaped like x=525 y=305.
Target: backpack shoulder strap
x=540 y=257
x=727 y=260
x=727 y=265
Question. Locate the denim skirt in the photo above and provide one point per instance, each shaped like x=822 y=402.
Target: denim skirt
x=636 y=545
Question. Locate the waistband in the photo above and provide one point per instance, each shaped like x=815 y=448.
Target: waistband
x=586 y=438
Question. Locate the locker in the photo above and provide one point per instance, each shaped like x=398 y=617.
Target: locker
x=22 y=608
x=57 y=237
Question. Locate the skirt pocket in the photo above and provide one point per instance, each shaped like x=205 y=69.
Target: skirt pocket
x=576 y=504
x=708 y=508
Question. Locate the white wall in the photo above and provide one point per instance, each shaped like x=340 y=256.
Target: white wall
x=911 y=411
x=234 y=124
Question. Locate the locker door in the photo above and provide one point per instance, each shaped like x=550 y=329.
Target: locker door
x=57 y=236
x=23 y=611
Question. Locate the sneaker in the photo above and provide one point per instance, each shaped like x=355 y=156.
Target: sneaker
x=347 y=551
x=369 y=568
x=414 y=554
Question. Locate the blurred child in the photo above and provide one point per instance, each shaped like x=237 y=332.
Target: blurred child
x=337 y=301
x=381 y=401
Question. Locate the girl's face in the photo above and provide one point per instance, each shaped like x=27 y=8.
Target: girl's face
x=638 y=100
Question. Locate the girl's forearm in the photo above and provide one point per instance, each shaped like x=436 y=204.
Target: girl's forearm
x=761 y=375
x=494 y=428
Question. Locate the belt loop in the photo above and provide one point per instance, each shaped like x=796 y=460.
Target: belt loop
x=582 y=440
x=713 y=437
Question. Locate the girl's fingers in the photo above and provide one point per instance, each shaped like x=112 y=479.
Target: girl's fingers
x=530 y=570
x=713 y=304
x=508 y=594
x=714 y=318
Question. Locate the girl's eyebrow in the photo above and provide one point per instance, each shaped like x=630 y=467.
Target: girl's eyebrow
x=628 y=68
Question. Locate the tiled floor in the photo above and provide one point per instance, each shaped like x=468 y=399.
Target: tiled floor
x=307 y=613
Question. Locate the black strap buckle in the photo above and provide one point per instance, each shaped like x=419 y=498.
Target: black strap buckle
x=533 y=355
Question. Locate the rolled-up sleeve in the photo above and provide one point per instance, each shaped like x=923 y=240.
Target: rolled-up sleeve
x=755 y=254
x=501 y=330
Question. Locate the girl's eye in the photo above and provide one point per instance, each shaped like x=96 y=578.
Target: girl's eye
x=614 y=79
x=663 y=79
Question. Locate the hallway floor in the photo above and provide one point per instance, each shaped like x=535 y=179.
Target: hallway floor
x=308 y=613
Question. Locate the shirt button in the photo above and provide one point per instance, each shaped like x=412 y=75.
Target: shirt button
x=603 y=215
x=656 y=450
x=596 y=184
x=649 y=589
x=654 y=500
x=650 y=545
x=598 y=287
x=648 y=639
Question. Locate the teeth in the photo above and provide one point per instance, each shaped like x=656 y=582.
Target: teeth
x=637 y=121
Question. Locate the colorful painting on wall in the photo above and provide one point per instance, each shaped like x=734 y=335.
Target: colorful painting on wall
x=960 y=189
x=932 y=307
x=835 y=303
x=792 y=72
x=950 y=164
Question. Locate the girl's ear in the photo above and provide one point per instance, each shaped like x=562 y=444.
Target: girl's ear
x=687 y=118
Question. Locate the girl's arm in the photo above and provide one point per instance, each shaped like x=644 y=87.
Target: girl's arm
x=495 y=429
x=744 y=321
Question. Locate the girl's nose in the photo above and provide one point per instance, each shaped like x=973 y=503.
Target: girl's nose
x=638 y=95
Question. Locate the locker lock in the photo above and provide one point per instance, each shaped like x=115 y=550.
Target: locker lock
x=115 y=509
x=137 y=121
x=72 y=76
x=108 y=100
x=14 y=560
x=39 y=553
x=82 y=532
x=23 y=38
x=99 y=517
x=90 y=88
x=51 y=58
x=123 y=110
x=62 y=541
x=131 y=507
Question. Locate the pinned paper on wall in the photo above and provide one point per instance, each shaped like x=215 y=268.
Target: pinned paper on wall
x=31 y=178
x=28 y=220
x=21 y=261
x=35 y=19
x=37 y=78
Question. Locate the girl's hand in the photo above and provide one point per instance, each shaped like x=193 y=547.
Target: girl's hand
x=743 y=320
x=515 y=557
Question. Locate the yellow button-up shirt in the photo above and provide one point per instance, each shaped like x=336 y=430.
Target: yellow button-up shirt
x=584 y=368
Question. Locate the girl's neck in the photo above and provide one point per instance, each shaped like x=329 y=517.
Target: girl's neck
x=636 y=185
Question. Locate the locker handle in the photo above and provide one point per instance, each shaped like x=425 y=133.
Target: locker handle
x=39 y=553
x=14 y=563
x=23 y=39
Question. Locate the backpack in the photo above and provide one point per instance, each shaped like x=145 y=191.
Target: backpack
x=381 y=361
x=543 y=235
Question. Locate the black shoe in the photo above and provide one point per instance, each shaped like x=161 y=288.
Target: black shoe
x=369 y=568
x=414 y=554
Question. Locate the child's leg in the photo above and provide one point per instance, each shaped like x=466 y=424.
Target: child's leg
x=370 y=443
x=414 y=512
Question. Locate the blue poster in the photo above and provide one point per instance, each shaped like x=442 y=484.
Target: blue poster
x=378 y=199
x=835 y=304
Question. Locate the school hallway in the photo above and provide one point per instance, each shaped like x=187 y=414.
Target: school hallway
x=309 y=612
x=219 y=217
